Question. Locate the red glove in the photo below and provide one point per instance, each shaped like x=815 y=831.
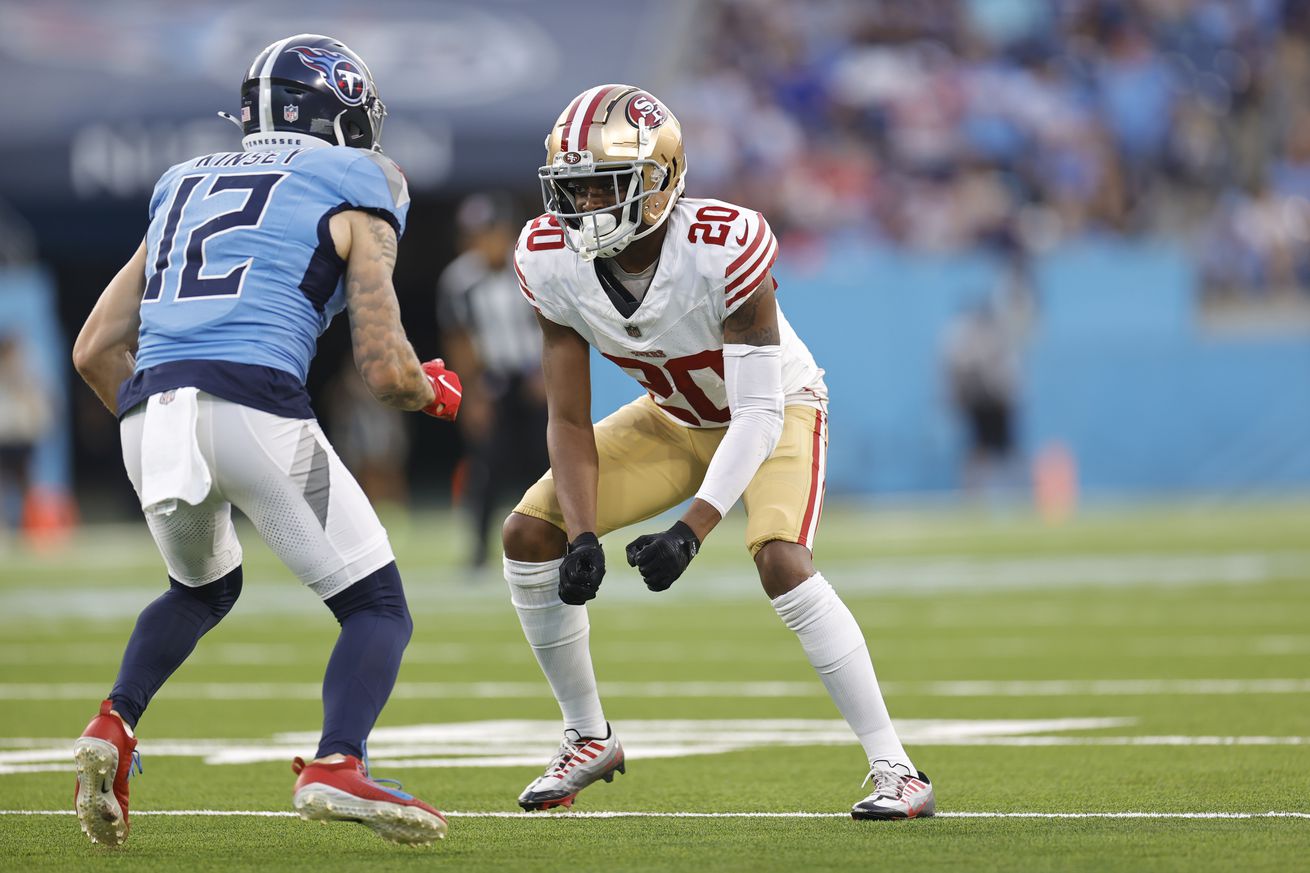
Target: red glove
x=445 y=384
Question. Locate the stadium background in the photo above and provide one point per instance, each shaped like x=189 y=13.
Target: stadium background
x=1127 y=183
x=1130 y=181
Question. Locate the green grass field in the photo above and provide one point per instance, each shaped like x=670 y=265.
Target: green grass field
x=1152 y=661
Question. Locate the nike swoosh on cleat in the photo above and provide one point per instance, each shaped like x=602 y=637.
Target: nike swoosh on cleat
x=450 y=387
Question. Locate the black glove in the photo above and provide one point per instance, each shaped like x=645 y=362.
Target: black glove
x=582 y=570
x=662 y=557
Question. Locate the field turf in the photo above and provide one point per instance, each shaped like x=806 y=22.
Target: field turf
x=1128 y=691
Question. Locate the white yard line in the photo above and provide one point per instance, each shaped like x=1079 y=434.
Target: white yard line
x=473 y=761
x=531 y=816
x=534 y=690
x=896 y=576
x=525 y=743
x=1101 y=687
x=257 y=656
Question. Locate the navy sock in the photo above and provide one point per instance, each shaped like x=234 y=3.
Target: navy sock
x=375 y=628
x=166 y=632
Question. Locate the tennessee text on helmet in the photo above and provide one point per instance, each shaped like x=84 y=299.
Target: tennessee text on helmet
x=309 y=88
x=617 y=136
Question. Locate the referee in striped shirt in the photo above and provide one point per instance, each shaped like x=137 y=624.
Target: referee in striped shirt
x=491 y=338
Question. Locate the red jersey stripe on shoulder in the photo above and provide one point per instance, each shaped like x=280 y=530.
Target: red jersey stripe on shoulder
x=756 y=278
x=750 y=249
x=746 y=292
x=753 y=274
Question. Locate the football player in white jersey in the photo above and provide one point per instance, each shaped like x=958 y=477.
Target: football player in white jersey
x=679 y=294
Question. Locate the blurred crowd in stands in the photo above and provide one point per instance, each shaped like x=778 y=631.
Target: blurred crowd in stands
x=1017 y=125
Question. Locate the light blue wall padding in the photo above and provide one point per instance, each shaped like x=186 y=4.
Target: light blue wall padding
x=27 y=307
x=1116 y=366
x=1125 y=291
x=1122 y=371
x=1181 y=414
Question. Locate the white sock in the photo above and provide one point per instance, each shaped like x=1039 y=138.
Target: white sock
x=835 y=646
x=558 y=635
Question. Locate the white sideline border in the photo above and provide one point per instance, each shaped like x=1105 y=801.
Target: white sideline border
x=537 y=816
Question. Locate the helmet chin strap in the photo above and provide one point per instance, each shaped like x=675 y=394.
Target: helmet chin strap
x=232 y=118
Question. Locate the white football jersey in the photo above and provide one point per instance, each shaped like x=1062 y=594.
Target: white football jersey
x=713 y=258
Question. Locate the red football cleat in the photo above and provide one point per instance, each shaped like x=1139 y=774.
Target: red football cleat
x=104 y=752
x=343 y=791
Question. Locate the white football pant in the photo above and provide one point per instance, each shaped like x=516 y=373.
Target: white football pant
x=287 y=479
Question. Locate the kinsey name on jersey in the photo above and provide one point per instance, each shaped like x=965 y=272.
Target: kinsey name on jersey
x=246 y=159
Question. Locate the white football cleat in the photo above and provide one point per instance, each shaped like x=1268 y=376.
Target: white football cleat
x=579 y=762
x=896 y=794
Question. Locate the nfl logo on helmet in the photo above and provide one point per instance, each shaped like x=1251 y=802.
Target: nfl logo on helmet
x=290 y=112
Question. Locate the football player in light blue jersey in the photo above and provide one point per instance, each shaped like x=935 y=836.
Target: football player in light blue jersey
x=201 y=344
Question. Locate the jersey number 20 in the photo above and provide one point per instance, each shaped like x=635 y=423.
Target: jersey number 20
x=193 y=285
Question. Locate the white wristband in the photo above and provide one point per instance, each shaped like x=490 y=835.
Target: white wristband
x=753 y=377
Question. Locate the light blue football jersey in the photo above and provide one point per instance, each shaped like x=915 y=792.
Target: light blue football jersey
x=240 y=265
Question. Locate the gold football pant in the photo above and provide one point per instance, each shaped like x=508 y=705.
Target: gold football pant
x=649 y=463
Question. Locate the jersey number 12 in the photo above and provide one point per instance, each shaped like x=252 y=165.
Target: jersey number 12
x=193 y=285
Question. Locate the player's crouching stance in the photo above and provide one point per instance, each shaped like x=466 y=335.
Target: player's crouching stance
x=202 y=343
x=679 y=294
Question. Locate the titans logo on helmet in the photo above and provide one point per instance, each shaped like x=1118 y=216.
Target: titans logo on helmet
x=346 y=79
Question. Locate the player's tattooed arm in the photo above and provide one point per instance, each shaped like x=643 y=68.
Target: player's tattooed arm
x=755 y=323
x=383 y=354
x=566 y=367
x=106 y=346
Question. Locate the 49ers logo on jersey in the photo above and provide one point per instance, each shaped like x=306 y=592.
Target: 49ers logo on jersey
x=645 y=109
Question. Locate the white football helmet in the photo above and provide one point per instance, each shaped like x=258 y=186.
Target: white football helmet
x=625 y=137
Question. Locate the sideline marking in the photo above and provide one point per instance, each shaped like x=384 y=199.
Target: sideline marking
x=548 y=816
